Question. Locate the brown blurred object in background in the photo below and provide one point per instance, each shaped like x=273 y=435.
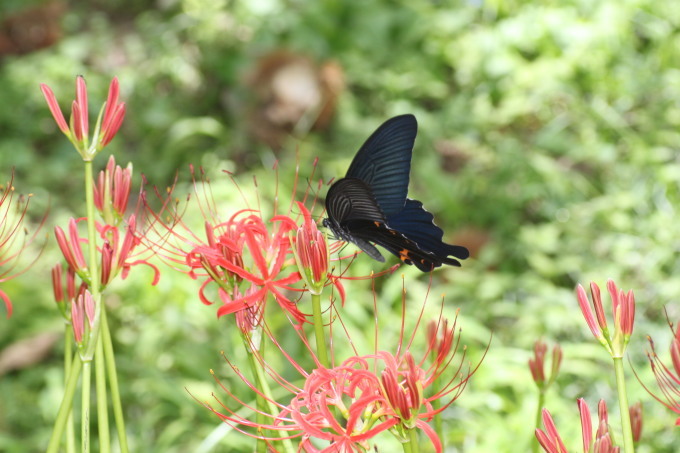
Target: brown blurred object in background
x=293 y=95
x=31 y=29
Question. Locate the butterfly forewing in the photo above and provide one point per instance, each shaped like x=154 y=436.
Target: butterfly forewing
x=384 y=162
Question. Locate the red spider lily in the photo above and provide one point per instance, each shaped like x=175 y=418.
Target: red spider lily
x=245 y=253
x=351 y=403
x=116 y=254
x=623 y=309
x=78 y=128
x=667 y=378
x=112 y=191
x=13 y=238
x=551 y=441
x=537 y=364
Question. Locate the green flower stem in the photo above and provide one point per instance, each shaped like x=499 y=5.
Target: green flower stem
x=66 y=403
x=93 y=341
x=319 y=333
x=263 y=386
x=261 y=402
x=623 y=406
x=85 y=409
x=411 y=446
x=113 y=383
x=535 y=448
x=102 y=402
x=68 y=367
x=436 y=404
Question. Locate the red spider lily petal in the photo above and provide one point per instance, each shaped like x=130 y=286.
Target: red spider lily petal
x=112 y=190
x=311 y=252
x=586 y=424
x=88 y=305
x=107 y=263
x=154 y=268
x=431 y=434
x=122 y=184
x=614 y=294
x=587 y=312
x=242 y=303
x=57 y=283
x=338 y=285
x=536 y=364
x=113 y=126
x=627 y=312
x=111 y=102
x=81 y=125
x=597 y=303
x=675 y=354
x=550 y=439
x=556 y=361
x=71 y=249
x=75 y=244
x=8 y=303
x=76 y=121
x=635 y=412
x=77 y=319
x=129 y=242
x=54 y=109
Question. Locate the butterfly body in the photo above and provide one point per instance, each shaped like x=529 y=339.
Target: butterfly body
x=370 y=204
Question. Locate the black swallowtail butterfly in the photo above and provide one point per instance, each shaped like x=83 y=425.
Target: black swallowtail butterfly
x=369 y=205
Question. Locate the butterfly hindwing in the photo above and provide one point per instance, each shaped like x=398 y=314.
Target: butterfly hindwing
x=399 y=245
x=417 y=224
x=384 y=162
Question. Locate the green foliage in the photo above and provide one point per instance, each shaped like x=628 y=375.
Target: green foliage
x=556 y=128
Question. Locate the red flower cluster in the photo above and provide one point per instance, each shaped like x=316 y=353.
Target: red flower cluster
x=667 y=378
x=551 y=441
x=13 y=237
x=623 y=310
x=350 y=404
x=106 y=128
x=247 y=257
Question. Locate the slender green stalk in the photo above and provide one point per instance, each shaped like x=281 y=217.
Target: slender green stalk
x=263 y=386
x=535 y=447
x=65 y=406
x=102 y=400
x=411 y=446
x=91 y=230
x=261 y=402
x=623 y=406
x=68 y=367
x=436 y=404
x=319 y=333
x=113 y=384
x=93 y=285
x=85 y=409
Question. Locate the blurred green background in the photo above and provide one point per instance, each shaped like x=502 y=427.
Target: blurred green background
x=548 y=144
